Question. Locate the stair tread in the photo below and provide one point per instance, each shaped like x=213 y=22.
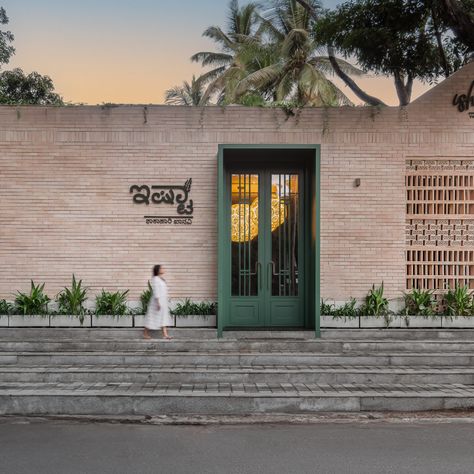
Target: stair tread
x=237 y=340
x=153 y=351
x=398 y=369
x=237 y=390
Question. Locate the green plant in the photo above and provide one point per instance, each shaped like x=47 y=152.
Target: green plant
x=458 y=301
x=375 y=302
x=35 y=302
x=419 y=302
x=326 y=308
x=187 y=308
x=145 y=298
x=347 y=310
x=5 y=307
x=71 y=300
x=115 y=304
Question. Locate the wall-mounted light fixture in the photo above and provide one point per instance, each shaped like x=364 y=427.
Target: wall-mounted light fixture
x=357 y=182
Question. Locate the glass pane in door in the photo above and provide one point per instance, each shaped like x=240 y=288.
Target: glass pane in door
x=285 y=230
x=244 y=234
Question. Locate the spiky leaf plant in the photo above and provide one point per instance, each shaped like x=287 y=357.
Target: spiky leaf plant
x=34 y=302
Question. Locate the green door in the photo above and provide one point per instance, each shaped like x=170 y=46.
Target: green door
x=265 y=210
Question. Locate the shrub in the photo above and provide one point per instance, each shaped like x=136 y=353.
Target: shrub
x=71 y=300
x=114 y=304
x=347 y=310
x=5 y=307
x=375 y=302
x=419 y=302
x=145 y=298
x=458 y=301
x=326 y=308
x=187 y=307
x=36 y=302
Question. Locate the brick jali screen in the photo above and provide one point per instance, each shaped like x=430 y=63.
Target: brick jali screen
x=439 y=223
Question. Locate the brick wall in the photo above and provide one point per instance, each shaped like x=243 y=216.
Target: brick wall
x=65 y=175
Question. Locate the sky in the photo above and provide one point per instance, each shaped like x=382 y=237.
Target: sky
x=126 y=51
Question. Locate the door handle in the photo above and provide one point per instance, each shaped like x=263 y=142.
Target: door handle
x=270 y=266
x=259 y=275
x=272 y=273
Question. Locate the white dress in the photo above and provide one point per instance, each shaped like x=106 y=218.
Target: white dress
x=157 y=318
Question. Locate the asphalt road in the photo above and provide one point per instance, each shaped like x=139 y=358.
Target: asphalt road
x=61 y=448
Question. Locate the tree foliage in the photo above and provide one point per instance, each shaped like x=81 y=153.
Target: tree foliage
x=404 y=39
x=187 y=94
x=6 y=38
x=269 y=57
x=18 y=88
x=459 y=16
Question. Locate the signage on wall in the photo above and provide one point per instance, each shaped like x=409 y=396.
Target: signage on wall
x=170 y=195
x=464 y=102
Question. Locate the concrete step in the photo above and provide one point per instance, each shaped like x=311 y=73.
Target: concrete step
x=274 y=374
x=239 y=345
x=154 y=357
x=226 y=398
x=84 y=334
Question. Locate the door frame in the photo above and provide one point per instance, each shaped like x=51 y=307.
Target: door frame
x=312 y=226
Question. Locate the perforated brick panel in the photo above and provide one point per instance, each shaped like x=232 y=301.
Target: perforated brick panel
x=440 y=223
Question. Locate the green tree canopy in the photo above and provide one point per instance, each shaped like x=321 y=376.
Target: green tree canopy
x=6 y=38
x=404 y=39
x=227 y=65
x=270 y=56
x=19 y=88
x=459 y=16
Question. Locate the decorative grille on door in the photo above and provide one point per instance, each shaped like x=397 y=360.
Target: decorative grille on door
x=439 y=223
x=244 y=234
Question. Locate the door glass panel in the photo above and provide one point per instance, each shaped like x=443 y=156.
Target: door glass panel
x=244 y=234
x=285 y=231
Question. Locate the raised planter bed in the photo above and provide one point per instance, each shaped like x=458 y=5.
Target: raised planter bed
x=458 y=322
x=20 y=321
x=194 y=321
x=422 y=322
x=112 y=321
x=375 y=322
x=138 y=321
x=69 y=321
x=339 y=323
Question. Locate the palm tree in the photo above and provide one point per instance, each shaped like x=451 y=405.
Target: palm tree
x=270 y=58
x=187 y=94
x=227 y=68
x=299 y=72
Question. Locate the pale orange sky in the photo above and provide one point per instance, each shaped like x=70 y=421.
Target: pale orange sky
x=125 y=51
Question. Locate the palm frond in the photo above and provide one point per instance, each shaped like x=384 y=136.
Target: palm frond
x=260 y=79
x=222 y=83
x=217 y=35
x=317 y=90
x=176 y=96
x=285 y=87
x=268 y=27
x=295 y=42
x=187 y=94
x=211 y=75
x=209 y=58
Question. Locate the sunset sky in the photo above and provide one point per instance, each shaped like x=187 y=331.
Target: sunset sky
x=124 y=51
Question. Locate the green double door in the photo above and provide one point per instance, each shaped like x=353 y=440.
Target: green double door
x=266 y=230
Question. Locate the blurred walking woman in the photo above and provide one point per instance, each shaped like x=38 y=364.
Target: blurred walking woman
x=158 y=314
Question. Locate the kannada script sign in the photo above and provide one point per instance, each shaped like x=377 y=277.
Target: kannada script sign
x=464 y=102
x=170 y=195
